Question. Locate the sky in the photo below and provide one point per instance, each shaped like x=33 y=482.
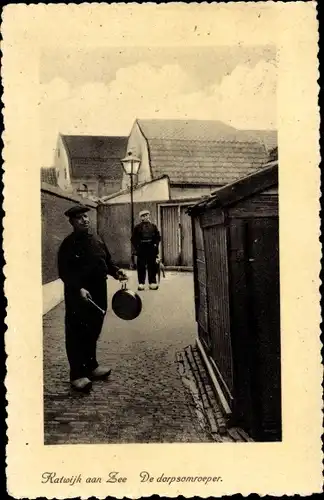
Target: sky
x=102 y=91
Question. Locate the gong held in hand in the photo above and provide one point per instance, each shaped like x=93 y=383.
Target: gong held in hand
x=126 y=304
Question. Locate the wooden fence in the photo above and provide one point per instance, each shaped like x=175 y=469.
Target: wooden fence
x=114 y=225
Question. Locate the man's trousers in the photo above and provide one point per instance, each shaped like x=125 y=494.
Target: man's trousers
x=83 y=324
x=146 y=262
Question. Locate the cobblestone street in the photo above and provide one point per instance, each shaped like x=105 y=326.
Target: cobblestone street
x=144 y=399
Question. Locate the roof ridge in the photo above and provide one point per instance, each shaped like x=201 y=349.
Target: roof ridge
x=180 y=120
x=221 y=140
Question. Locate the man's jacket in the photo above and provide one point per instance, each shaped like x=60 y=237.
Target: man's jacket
x=84 y=259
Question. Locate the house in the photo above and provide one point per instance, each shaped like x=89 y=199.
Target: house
x=90 y=166
x=181 y=161
x=197 y=156
x=237 y=299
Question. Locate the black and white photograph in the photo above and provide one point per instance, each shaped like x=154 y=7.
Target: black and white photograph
x=160 y=245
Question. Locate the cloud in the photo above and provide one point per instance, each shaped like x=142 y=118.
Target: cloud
x=57 y=90
x=246 y=98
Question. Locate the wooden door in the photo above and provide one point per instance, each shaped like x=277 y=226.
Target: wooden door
x=263 y=278
x=186 y=237
x=242 y=344
x=170 y=235
x=255 y=318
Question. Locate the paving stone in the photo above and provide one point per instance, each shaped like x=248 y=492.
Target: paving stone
x=144 y=399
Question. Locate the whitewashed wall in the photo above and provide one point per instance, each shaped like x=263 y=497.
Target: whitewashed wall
x=62 y=166
x=138 y=146
x=154 y=191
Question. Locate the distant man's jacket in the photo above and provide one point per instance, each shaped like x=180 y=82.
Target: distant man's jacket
x=145 y=235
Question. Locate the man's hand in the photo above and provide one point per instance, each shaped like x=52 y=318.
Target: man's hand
x=121 y=276
x=85 y=294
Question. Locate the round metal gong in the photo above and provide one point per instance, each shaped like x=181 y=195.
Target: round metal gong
x=126 y=304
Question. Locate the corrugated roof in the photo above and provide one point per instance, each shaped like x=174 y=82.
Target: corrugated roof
x=49 y=176
x=202 y=151
x=96 y=156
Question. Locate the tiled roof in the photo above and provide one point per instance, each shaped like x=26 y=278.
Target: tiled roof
x=267 y=137
x=96 y=156
x=201 y=152
x=196 y=130
x=49 y=176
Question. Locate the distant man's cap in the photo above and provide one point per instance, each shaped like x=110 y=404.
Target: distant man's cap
x=144 y=212
x=76 y=210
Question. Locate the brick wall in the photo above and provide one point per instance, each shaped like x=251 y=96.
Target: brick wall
x=55 y=226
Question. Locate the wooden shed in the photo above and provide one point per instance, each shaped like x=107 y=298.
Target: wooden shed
x=236 y=277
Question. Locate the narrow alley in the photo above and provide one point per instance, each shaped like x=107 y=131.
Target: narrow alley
x=149 y=396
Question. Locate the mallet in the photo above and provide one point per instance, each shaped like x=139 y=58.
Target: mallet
x=96 y=305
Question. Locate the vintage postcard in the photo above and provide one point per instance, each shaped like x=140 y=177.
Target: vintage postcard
x=161 y=238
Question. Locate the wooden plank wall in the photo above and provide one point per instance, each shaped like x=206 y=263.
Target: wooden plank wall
x=218 y=300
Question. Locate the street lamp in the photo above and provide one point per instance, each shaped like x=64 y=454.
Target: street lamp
x=131 y=165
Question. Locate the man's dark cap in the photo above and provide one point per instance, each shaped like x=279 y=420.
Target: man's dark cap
x=76 y=210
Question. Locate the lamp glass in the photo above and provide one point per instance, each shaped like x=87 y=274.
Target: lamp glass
x=131 y=164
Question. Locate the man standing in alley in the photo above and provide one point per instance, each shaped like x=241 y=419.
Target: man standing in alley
x=145 y=242
x=84 y=263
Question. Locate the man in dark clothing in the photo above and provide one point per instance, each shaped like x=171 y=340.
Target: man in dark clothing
x=145 y=242
x=84 y=263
